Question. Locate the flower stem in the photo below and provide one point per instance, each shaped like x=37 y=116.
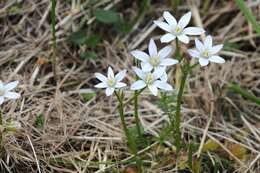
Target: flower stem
x=177 y=122
x=137 y=120
x=1 y=134
x=130 y=140
x=54 y=43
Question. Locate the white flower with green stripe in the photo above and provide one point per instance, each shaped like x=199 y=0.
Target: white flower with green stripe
x=156 y=59
x=111 y=82
x=150 y=80
x=206 y=52
x=178 y=29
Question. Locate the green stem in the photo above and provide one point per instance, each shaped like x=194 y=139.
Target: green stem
x=132 y=144
x=137 y=120
x=177 y=121
x=132 y=98
x=54 y=43
x=121 y=114
x=1 y=134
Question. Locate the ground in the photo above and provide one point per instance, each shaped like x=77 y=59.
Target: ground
x=69 y=126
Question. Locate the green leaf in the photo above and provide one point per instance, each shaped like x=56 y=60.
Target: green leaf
x=106 y=16
x=123 y=26
x=93 y=40
x=39 y=121
x=88 y=96
x=249 y=15
x=237 y=89
x=78 y=37
x=88 y=55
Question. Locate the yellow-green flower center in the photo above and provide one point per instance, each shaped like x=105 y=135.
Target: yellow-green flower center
x=205 y=53
x=155 y=61
x=2 y=92
x=178 y=30
x=149 y=79
x=111 y=81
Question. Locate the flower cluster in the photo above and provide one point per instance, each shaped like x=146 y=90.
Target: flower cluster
x=153 y=71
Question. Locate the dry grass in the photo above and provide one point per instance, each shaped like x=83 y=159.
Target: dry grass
x=76 y=135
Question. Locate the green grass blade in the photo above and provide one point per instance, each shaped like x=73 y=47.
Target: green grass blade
x=249 y=15
x=237 y=89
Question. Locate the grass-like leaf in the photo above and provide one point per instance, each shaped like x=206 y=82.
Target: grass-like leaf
x=249 y=15
x=237 y=89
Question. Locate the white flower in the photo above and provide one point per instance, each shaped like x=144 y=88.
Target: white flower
x=5 y=91
x=155 y=59
x=150 y=80
x=206 y=52
x=111 y=82
x=177 y=29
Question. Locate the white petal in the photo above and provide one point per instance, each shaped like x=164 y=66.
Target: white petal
x=158 y=72
x=184 y=38
x=120 y=85
x=163 y=25
x=193 y=31
x=2 y=99
x=194 y=53
x=152 y=48
x=164 y=77
x=216 y=49
x=166 y=38
x=185 y=19
x=110 y=91
x=11 y=85
x=208 y=42
x=140 y=55
x=138 y=85
x=163 y=85
x=216 y=59
x=169 y=61
x=101 y=85
x=110 y=72
x=12 y=95
x=153 y=89
x=199 y=45
x=139 y=73
x=101 y=77
x=203 y=61
x=146 y=67
x=165 y=52
x=170 y=19
x=120 y=76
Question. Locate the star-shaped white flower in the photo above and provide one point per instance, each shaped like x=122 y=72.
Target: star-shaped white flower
x=150 y=80
x=206 y=52
x=155 y=59
x=179 y=29
x=111 y=82
x=5 y=91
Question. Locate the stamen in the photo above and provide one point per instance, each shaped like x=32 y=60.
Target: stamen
x=205 y=53
x=155 y=61
x=178 y=30
x=2 y=92
x=111 y=81
x=149 y=78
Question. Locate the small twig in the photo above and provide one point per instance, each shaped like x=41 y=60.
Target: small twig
x=35 y=156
